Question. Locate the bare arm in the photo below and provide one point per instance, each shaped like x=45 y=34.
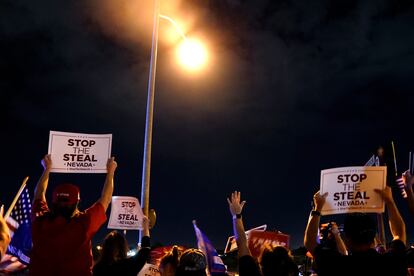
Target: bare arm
x=4 y=234
x=236 y=208
x=339 y=242
x=396 y=222
x=108 y=188
x=311 y=239
x=408 y=185
x=41 y=187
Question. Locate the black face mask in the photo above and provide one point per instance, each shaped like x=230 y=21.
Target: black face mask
x=65 y=211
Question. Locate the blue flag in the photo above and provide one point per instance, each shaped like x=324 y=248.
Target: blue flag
x=20 y=226
x=215 y=264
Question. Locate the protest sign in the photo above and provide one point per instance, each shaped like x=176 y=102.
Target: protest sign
x=149 y=270
x=126 y=213
x=259 y=239
x=231 y=241
x=78 y=152
x=351 y=189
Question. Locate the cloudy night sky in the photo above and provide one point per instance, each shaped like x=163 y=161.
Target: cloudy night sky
x=291 y=87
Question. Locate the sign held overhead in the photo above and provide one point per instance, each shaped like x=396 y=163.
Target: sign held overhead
x=78 y=152
x=351 y=189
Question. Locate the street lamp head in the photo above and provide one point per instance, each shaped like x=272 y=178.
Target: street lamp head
x=192 y=54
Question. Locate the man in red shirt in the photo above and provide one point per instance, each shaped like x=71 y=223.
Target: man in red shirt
x=62 y=234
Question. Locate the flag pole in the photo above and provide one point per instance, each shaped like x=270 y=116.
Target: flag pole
x=16 y=197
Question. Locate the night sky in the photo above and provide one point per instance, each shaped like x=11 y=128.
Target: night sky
x=292 y=87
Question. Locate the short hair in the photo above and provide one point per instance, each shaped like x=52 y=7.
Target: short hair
x=277 y=261
x=360 y=228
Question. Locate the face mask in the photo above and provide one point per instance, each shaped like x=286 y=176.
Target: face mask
x=64 y=211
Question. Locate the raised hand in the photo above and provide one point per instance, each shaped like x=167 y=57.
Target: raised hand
x=111 y=165
x=386 y=194
x=319 y=200
x=408 y=179
x=235 y=206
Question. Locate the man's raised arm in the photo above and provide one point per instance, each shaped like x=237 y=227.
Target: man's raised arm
x=396 y=222
x=311 y=239
x=40 y=190
x=236 y=207
x=108 y=188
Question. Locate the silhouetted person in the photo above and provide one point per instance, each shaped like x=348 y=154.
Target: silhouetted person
x=169 y=262
x=360 y=231
x=114 y=259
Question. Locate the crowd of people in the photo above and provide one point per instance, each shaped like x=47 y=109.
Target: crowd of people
x=62 y=236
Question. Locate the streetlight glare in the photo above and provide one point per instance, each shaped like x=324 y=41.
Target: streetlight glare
x=192 y=54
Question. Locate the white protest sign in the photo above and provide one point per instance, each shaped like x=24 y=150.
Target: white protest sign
x=149 y=270
x=351 y=189
x=126 y=213
x=78 y=152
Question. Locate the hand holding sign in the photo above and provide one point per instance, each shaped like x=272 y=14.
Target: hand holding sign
x=386 y=194
x=319 y=200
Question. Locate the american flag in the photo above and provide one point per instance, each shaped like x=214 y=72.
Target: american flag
x=19 y=223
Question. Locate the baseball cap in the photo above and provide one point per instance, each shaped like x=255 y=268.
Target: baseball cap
x=67 y=194
x=193 y=260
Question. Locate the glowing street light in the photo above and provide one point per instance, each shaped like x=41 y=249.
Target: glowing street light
x=191 y=54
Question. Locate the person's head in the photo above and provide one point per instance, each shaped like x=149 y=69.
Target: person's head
x=410 y=257
x=169 y=263
x=192 y=263
x=65 y=200
x=277 y=261
x=114 y=248
x=360 y=230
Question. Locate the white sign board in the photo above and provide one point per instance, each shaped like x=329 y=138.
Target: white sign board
x=149 y=270
x=78 y=152
x=126 y=213
x=351 y=189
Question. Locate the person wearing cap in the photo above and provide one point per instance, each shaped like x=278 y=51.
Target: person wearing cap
x=192 y=263
x=62 y=233
x=4 y=234
x=360 y=232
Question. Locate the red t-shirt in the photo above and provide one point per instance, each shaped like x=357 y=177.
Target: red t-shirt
x=62 y=247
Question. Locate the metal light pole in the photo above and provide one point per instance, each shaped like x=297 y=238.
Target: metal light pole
x=146 y=166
